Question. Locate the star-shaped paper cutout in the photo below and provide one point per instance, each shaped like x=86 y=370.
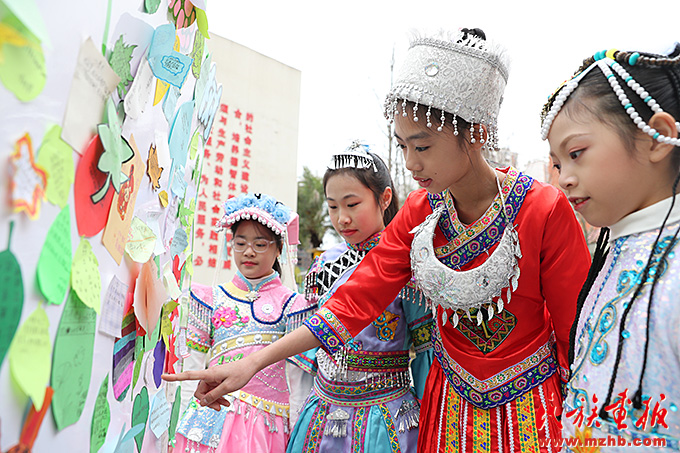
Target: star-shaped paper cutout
x=29 y=179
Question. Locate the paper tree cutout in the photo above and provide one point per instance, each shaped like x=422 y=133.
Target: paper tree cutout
x=183 y=13
x=117 y=151
x=119 y=59
x=29 y=179
x=153 y=169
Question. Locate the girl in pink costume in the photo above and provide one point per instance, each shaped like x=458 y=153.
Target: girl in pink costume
x=230 y=321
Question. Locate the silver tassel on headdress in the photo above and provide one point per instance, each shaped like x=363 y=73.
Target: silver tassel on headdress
x=355 y=156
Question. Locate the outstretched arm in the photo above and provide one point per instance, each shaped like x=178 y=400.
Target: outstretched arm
x=223 y=379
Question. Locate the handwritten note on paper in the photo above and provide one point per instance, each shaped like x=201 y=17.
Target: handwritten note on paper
x=210 y=102
x=85 y=277
x=159 y=418
x=120 y=216
x=72 y=361
x=30 y=356
x=166 y=63
x=141 y=241
x=93 y=82
x=54 y=265
x=22 y=68
x=180 y=135
x=113 y=307
x=101 y=417
x=137 y=98
x=56 y=157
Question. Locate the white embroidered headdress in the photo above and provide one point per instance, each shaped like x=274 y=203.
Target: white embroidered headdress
x=269 y=212
x=457 y=73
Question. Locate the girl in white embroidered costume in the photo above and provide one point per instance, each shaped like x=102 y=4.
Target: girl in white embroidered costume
x=613 y=133
x=368 y=402
x=231 y=321
x=499 y=257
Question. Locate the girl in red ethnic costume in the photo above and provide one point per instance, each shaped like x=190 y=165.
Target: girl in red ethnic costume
x=500 y=258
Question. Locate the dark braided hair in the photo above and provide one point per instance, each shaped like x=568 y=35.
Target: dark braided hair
x=660 y=76
x=599 y=257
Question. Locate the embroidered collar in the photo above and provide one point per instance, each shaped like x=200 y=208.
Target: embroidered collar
x=646 y=219
x=467 y=242
x=254 y=285
x=368 y=244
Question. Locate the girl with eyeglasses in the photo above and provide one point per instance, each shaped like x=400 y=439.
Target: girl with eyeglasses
x=230 y=321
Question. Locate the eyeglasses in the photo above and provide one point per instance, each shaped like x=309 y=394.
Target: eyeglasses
x=258 y=245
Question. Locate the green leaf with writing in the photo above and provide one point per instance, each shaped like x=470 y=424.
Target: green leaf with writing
x=119 y=59
x=54 y=265
x=85 y=276
x=140 y=414
x=11 y=296
x=197 y=53
x=101 y=417
x=139 y=355
x=174 y=416
x=72 y=361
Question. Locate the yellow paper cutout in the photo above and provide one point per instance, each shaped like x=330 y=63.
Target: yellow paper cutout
x=162 y=87
x=30 y=356
x=85 y=277
x=28 y=178
x=153 y=169
x=163 y=198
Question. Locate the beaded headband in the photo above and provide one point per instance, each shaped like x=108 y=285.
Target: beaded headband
x=355 y=156
x=460 y=74
x=606 y=61
x=271 y=213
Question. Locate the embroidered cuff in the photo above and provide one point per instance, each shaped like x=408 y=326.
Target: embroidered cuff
x=304 y=363
x=328 y=329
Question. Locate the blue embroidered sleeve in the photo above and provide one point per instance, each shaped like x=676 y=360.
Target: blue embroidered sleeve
x=328 y=329
x=420 y=322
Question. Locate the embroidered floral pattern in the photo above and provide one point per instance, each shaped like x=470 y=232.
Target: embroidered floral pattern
x=386 y=326
x=466 y=243
x=368 y=244
x=229 y=317
x=489 y=334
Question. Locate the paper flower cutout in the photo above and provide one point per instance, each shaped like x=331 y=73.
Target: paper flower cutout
x=183 y=12
x=29 y=179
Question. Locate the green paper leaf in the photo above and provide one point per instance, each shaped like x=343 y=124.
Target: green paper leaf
x=140 y=414
x=54 y=265
x=151 y=6
x=117 y=151
x=139 y=355
x=85 y=277
x=202 y=21
x=101 y=417
x=72 y=362
x=22 y=70
x=119 y=59
x=56 y=157
x=29 y=356
x=174 y=416
x=11 y=296
x=197 y=54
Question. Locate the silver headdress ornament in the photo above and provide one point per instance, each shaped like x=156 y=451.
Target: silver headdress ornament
x=456 y=73
x=355 y=156
x=606 y=62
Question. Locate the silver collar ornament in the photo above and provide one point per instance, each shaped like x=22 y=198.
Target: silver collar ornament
x=480 y=288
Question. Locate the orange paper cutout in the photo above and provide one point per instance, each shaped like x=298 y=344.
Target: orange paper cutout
x=29 y=179
x=153 y=169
